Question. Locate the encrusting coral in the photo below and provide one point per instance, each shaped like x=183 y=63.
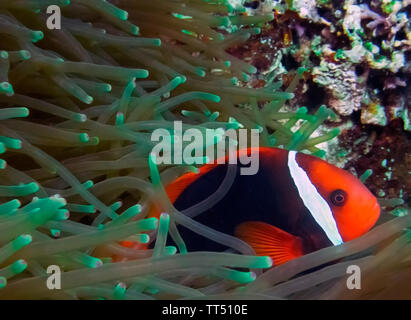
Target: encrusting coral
x=368 y=40
x=78 y=108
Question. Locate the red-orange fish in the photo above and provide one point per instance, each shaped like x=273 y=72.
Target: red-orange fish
x=293 y=205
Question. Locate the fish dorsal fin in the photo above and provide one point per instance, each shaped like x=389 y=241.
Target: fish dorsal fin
x=267 y=240
x=175 y=188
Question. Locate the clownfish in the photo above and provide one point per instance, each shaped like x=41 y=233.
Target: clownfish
x=294 y=204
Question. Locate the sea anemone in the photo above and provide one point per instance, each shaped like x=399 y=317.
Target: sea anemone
x=77 y=175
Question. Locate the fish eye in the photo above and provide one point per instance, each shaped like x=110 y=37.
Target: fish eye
x=338 y=197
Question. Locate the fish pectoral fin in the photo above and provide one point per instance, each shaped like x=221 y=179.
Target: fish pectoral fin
x=267 y=240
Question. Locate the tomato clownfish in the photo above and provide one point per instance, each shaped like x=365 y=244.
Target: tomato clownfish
x=293 y=205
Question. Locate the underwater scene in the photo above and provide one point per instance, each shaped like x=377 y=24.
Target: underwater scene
x=205 y=150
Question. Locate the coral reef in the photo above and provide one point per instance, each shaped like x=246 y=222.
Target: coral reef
x=364 y=40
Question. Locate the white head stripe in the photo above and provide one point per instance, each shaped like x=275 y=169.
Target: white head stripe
x=313 y=201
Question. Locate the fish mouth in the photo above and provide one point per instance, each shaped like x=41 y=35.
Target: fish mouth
x=370 y=216
x=375 y=211
x=376 y=208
